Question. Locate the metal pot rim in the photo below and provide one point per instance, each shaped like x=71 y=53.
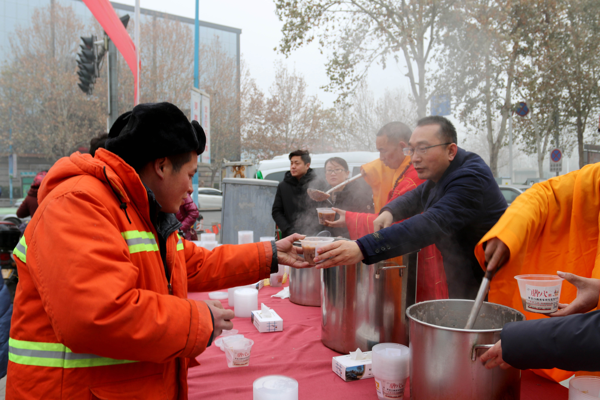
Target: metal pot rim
x=409 y=309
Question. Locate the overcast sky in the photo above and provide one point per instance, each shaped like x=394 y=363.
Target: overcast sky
x=261 y=32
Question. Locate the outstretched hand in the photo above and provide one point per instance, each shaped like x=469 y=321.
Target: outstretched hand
x=493 y=357
x=340 y=223
x=588 y=291
x=384 y=220
x=287 y=253
x=342 y=252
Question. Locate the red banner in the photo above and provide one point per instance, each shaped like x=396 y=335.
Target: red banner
x=112 y=25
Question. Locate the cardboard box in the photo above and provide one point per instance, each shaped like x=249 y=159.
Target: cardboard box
x=352 y=370
x=271 y=324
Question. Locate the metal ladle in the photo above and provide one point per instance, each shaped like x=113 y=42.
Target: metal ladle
x=483 y=290
x=318 y=195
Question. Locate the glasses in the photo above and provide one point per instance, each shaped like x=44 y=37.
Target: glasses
x=421 y=151
x=334 y=171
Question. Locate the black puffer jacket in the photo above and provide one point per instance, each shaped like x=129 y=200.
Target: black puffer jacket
x=295 y=212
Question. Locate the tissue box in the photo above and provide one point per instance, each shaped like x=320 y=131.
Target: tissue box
x=352 y=370
x=271 y=324
x=259 y=285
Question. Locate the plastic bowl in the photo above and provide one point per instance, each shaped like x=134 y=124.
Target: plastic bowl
x=325 y=214
x=218 y=295
x=310 y=246
x=540 y=293
x=584 y=388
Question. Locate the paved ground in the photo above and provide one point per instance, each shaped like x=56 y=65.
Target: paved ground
x=2 y=388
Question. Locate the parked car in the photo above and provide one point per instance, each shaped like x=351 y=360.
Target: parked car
x=209 y=198
x=511 y=192
x=276 y=168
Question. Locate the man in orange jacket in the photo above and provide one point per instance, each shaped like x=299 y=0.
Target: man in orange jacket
x=101 y=309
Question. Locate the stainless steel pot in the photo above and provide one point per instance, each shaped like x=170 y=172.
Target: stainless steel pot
x=363 y=305
x=305 y=286
x=445 y=361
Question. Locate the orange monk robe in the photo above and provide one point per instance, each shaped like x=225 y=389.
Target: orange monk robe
x=553 y=226
x=431 y=277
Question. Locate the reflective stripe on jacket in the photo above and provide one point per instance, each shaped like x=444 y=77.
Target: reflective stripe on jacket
x=92 y=316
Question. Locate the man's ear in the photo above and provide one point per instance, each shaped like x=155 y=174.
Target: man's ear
x=160 y=165
x=452 y=150
x=307 y=165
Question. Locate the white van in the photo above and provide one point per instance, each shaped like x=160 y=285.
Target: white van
x=276 y=168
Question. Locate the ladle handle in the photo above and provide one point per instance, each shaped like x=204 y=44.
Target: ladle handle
x=347 y=181
x=479 y=347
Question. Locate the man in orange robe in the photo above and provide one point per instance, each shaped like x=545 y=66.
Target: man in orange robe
x=551 y=227
x=390 y=177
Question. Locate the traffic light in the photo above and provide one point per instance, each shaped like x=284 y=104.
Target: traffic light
x=88 y=64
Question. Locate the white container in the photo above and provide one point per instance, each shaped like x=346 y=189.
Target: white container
x=219 y=342
x=237 y=352
x=273 y=323
x=390 y=367
x=208 y=237
x=267 y=238
x=246 y=300
x=245 y=237
x=540 y=293
x=584 y=388
x=209 y=245
x=352 y=370
x=275 y=387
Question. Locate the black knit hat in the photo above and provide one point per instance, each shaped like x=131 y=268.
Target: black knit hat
x=154 y=130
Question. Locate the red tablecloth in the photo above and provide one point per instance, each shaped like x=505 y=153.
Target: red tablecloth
x=297 y=352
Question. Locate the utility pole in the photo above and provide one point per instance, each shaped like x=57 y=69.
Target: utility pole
x=197 y=86
x=113 y=83
x=556 y=136
x=510 y=146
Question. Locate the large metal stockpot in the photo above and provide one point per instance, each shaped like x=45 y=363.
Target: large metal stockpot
x=445 y=362
x=305 y=286
x=363 y=305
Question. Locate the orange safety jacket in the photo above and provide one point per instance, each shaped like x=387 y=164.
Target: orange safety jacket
x=93 y=317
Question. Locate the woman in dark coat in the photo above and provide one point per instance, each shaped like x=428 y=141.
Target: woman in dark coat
x=356 y=196
x=30 y=204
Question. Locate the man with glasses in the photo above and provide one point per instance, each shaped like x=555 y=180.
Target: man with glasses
x=459 y=202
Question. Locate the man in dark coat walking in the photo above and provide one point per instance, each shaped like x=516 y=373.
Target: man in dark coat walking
x=453 y=209
x=293 y=211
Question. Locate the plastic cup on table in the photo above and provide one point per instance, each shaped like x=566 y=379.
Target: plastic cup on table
x=275 y=387
x=584 y=388
x=246 y=301
x=217 y=295
x=220 y=341
x=540 y=293
x=237 y=352
x=390 y=367
x=310 y=246
x=245 y=237
x=208 y=237
x=325 y=214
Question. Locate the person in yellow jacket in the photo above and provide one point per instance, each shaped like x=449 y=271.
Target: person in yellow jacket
x=101 y=309
x=551 y=227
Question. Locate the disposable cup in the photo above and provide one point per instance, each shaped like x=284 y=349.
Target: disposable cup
x=245 y=237
x=237 y=352
x=325 y=214
x=208 y=237
x=246 y=300
x=390 y=367
x=275 y=387
x=218 y=295
x=230 y=296
x=540 y=293
x=310 y=246
x=220 y=341
x=209 y=245
x=228 y=332
x=584 y=388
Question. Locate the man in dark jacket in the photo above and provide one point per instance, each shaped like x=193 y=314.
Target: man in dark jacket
x=293 y=211
x=453 y=209
x=570 y=343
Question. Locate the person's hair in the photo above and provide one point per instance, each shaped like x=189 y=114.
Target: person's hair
x=396 y=131
x=447 y=131
x=338 y=160
x=178 y=161
x=304 y=154
x=98 y=142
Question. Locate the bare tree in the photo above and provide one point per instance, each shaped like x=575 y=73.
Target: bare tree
x=41 y=103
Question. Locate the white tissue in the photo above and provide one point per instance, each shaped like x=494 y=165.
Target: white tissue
x=265 y=311
x=359 y=355
x=284 y=294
